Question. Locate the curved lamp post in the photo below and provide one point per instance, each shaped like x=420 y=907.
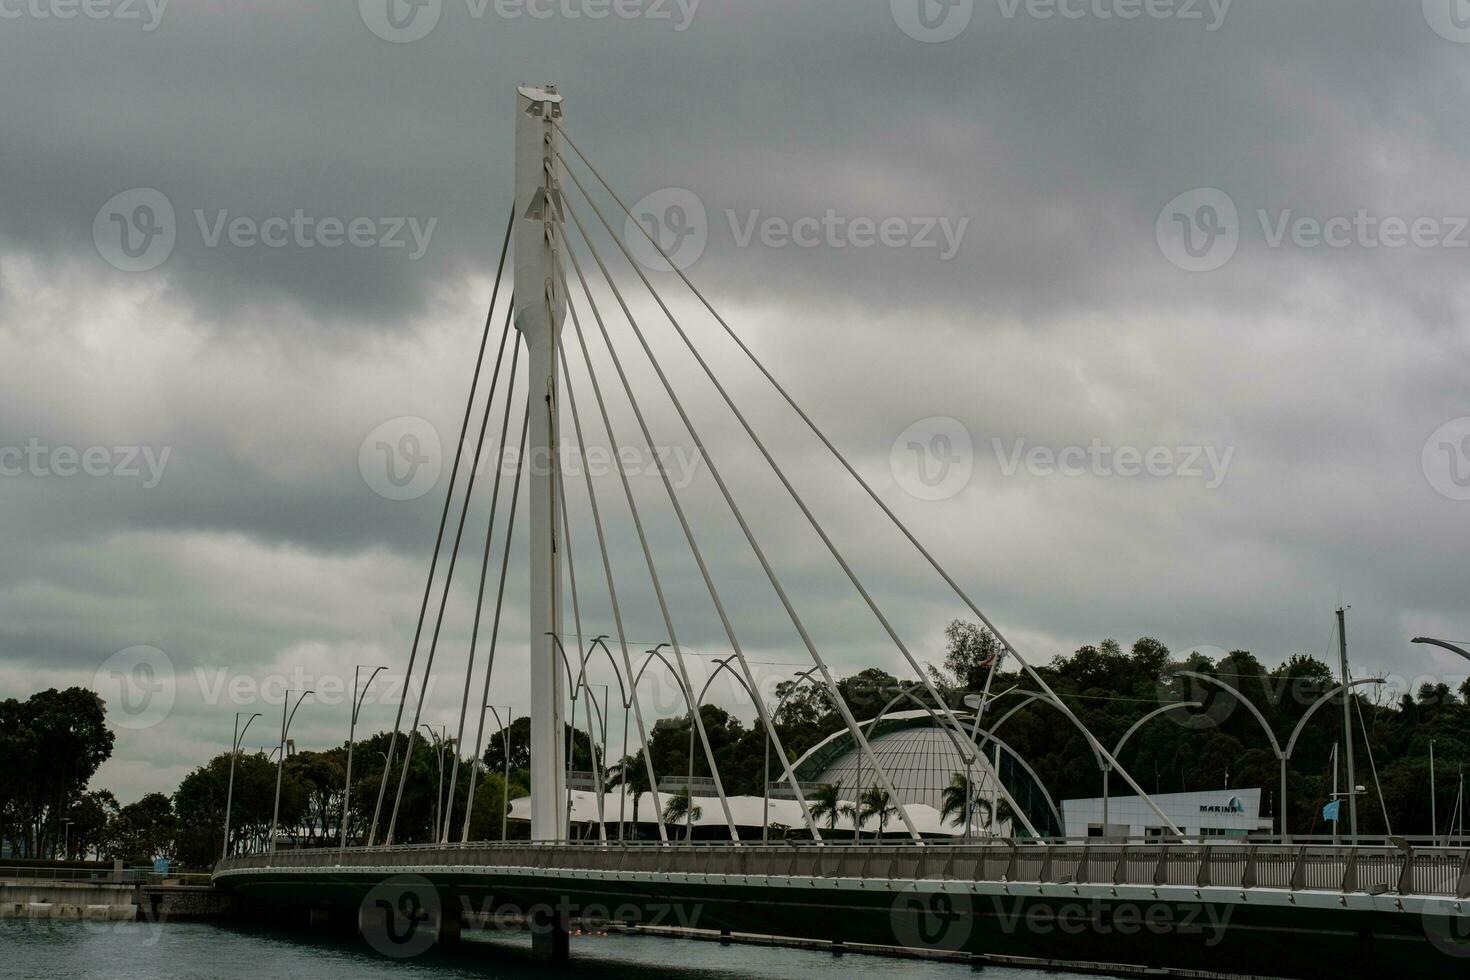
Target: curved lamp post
x=1282 y=756
x=1117 y=749
x=235 y=743
x=580 y=684
x=807 y=676
x=286 y=720
x=1445 y=644
x=357 y=701
x=601 y=641
x=655 y=654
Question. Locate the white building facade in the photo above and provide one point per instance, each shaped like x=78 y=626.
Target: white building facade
x=1213 y=813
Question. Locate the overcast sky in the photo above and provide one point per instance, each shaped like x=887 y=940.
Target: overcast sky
x=1148 y=316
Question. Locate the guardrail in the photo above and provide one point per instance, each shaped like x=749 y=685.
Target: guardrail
x=1371 y=869
x=100 y=876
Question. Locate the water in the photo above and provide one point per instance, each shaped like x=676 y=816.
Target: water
x=44 y=950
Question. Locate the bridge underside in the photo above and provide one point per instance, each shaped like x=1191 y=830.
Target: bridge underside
x=1270 y=933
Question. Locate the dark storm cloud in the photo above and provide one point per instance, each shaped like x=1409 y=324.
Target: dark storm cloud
x=338 y=200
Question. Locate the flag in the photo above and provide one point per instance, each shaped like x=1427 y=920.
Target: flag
x=1332 y=811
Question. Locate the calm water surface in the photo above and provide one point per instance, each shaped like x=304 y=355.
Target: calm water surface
x=180 y=951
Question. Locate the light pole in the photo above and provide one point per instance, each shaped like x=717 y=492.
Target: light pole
x=439 y=756
x=286 y=720
x=66 y=838
x=655 y=653
x=689 y=781
x=1433 y=800
x=805 y=675
x=357 y=701
x=505 y=787
x=235 y=742
x=1107 y=766
x=1282 y=756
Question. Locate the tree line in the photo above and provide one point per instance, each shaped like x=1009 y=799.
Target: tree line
x=54 y=742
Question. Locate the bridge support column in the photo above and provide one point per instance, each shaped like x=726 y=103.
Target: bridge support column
x=549 y=939
x=540 y=309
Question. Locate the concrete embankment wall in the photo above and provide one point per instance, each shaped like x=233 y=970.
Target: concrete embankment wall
x=67 y=899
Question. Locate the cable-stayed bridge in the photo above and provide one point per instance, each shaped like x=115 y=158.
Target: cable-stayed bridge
x=1283 y=909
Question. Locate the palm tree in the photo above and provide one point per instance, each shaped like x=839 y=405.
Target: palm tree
x=826 y=802
x=958 y=796
x=632 y=774
x=876 y=802
x=681 y=809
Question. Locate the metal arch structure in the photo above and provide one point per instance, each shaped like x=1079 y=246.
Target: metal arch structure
x=1027 y=697
x=968 y=756
x=591 y=742
x=1134 y=729
x=1283 y=757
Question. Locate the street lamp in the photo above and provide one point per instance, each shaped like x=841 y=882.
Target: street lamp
x=286 y=720
x=1108 y=767
x=235 y=743
x=357 y=701
x=805 y=675
x=66 y=824
x=1445 y=644
x=1283 y=757
x=439 y=755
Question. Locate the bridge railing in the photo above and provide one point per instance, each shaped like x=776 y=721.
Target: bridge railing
x=1374 y=869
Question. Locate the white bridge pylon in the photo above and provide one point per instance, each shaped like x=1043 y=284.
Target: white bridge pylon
x=552 y=284
x=540 y=312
